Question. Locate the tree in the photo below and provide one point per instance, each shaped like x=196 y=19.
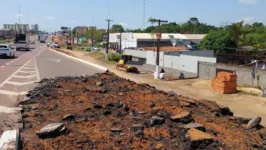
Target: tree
x=116 y=28
x=219 y=41
x=194 y=20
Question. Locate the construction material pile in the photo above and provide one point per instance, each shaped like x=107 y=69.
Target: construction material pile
x=104 y=111
x=224 y=83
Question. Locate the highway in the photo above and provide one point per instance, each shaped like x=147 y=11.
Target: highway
x=19 y=75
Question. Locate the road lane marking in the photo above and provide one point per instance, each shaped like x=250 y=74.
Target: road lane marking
x=13 y=93
x=27 y=71
x=14 y=73
x=19 y=84
x=81 y=60
x=26 y=67
x=9 y=110
x=37 y=71
x=24 y=77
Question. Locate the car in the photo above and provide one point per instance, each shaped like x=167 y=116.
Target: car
x=48 y=44
x=56 y=45
x=6 y=50
x=96 y=48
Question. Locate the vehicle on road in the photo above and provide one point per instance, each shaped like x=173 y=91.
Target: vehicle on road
x=42 y=38
x=7 y=50
x=54 y=45
x=95 y=48
x=22 y=41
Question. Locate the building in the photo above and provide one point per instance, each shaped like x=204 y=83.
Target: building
x=6 y=33
x=133 y=40
x=81 y=30
x=178 y=58
x=35 y=28
x=25 y=28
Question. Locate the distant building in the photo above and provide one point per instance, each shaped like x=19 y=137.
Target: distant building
x=25 y=28
x=6 y=33
x=81 y=30
x=92 y=28
x=35 y=27
x=134 y=40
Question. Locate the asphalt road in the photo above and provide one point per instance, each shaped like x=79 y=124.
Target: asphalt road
x=21 y=75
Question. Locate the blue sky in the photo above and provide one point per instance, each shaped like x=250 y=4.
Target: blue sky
x=52 y=14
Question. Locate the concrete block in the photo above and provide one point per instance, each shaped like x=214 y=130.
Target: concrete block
x=9 y=140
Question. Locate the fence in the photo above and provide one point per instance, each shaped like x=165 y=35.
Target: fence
x=244 y=75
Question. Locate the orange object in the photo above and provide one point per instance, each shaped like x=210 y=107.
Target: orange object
x=224 y=83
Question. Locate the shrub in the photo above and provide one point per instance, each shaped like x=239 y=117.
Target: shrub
x=114 y=56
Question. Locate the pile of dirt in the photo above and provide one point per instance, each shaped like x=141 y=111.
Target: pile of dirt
x=104 y=111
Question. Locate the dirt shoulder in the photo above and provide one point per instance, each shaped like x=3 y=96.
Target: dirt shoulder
x=242 y=105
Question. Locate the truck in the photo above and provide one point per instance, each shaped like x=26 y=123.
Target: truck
x=22 y=42
x=42 y=38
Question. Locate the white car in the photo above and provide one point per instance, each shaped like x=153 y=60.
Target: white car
x=7 y=50
x=96 y=48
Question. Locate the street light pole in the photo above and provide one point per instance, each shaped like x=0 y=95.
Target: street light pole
x=107 y=44
x=19 y=18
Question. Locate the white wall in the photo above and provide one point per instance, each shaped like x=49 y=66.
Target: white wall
x=186 y=61
x=136 y=53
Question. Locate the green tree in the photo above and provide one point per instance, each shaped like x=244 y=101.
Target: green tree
x=116 y=28
x=219 y=41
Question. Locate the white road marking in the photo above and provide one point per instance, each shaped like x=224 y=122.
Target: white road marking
x=32 y=67
x=14 y=73
x=27 y=71
x=4 y=109
x=37 y=71
x=13 y=93
x=80 y=60
x=24 y=77
x=34 y=73
x=19 y=83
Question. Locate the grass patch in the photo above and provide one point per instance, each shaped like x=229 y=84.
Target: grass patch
x=101 y=57
x=3 y=41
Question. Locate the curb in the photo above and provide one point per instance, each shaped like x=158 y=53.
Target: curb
x=9 y=140
x=83 y=61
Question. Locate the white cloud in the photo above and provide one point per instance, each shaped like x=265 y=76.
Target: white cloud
x=74 y=21
x=247 y=19
x=50 y=18
x=248 y=1
x=124 y=24
x=19 y=15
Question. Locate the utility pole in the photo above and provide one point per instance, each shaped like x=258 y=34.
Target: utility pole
x=19 y=18
x=107 y=44
x=120 y=44
x=144 y=13
x=92 y=38
x=158 y=36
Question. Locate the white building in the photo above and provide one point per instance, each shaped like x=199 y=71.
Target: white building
x=35 y=27
x=17 y=27
x=133 y=40
x=178 y=58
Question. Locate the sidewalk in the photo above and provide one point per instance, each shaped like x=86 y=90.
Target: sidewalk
x=242 y=105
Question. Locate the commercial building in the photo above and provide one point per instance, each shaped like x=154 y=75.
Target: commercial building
x=134 y=40
x=35 y=27
x=25 y=28
x=179 y=58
